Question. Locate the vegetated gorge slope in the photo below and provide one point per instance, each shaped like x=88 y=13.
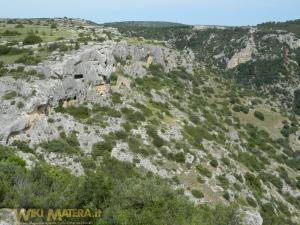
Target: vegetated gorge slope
x=153 y=124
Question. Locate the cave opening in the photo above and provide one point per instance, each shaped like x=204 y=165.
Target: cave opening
x=78 y=76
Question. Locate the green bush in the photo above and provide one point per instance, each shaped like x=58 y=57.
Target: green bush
x=204 y=171
x=88 y=163
x=9 y=95
x=214 y=163
x=178 y=157
x=297 y=102
x=156 y=140
x=127 y=126
x=156 y=69
x=54 y=46
x=17 y=160
x=79 y=112
x=107 y=111
x=116 y=98
x=251 y=202
x=20 y=105
x=114 y=78
x=22 y=146
x=270 y=217
x=259 y=115
x=135 y=145
x=19 y=26
x=50 y=120
x=64 y=144
x=226 y=161
x=236 y=108
x=133 y=116
x=32 y=39
x=244 y=109
x=197 y=194
x=120 y=60
x=103 y=148
x=298 y=182
x=121 y=134
x=254 y=183
x=223 y=181
x=276 y=181
x=53 y=26
x=29 y=59
x=145 y=110
x=251 y=161
x=10 y=33
x=226 y=195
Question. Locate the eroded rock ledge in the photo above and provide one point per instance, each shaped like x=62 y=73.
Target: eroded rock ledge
x=78 y=76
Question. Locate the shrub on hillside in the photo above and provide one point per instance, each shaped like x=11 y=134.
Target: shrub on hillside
x=116 y=98
x=251 y=202
x=259 y=115
x=156 y=139
x=19 y=26
x=79 y=112
x=9 y=95
x=214 y=163
x=178 y=157
x=29 y=59
x=197 y=194
x=103 y=148
x=223 y=181
x=254 y=183
x=32 y=39
x=204 y=171
x=64 y=144
x=297 y=102
x=10 y=33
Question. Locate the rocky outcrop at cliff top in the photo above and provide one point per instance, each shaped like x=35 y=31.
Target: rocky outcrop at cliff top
x=76 y=77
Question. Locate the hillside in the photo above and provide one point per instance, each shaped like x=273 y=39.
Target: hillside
x=148 y=24
x=292 y=26
x=262 y=59
x=152 y=125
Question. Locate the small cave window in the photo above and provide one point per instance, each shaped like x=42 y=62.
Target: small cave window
x=78 y=76
x=42 y=109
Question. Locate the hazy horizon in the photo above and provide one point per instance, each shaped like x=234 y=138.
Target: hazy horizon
x=201 y=12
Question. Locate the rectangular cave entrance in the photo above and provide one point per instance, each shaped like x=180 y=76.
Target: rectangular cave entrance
x=78 y=76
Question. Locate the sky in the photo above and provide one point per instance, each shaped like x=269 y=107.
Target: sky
x=208 y=12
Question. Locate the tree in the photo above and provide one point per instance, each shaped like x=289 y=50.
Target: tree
x=259 y=115
x=32 y=39
x=297 y=102
x=53 y=26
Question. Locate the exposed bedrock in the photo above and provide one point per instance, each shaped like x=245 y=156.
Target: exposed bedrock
x=78 y=76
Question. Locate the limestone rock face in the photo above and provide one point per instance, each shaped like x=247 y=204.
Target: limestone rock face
x=77 y=76
x=147 y=54
x=136 y=69
x=288 y=39
x=244 y=55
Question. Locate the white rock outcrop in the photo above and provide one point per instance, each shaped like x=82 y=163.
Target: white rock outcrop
x=77 y=76
x=244 y=55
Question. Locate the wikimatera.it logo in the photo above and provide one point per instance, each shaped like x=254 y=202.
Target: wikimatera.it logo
x=48 y=216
